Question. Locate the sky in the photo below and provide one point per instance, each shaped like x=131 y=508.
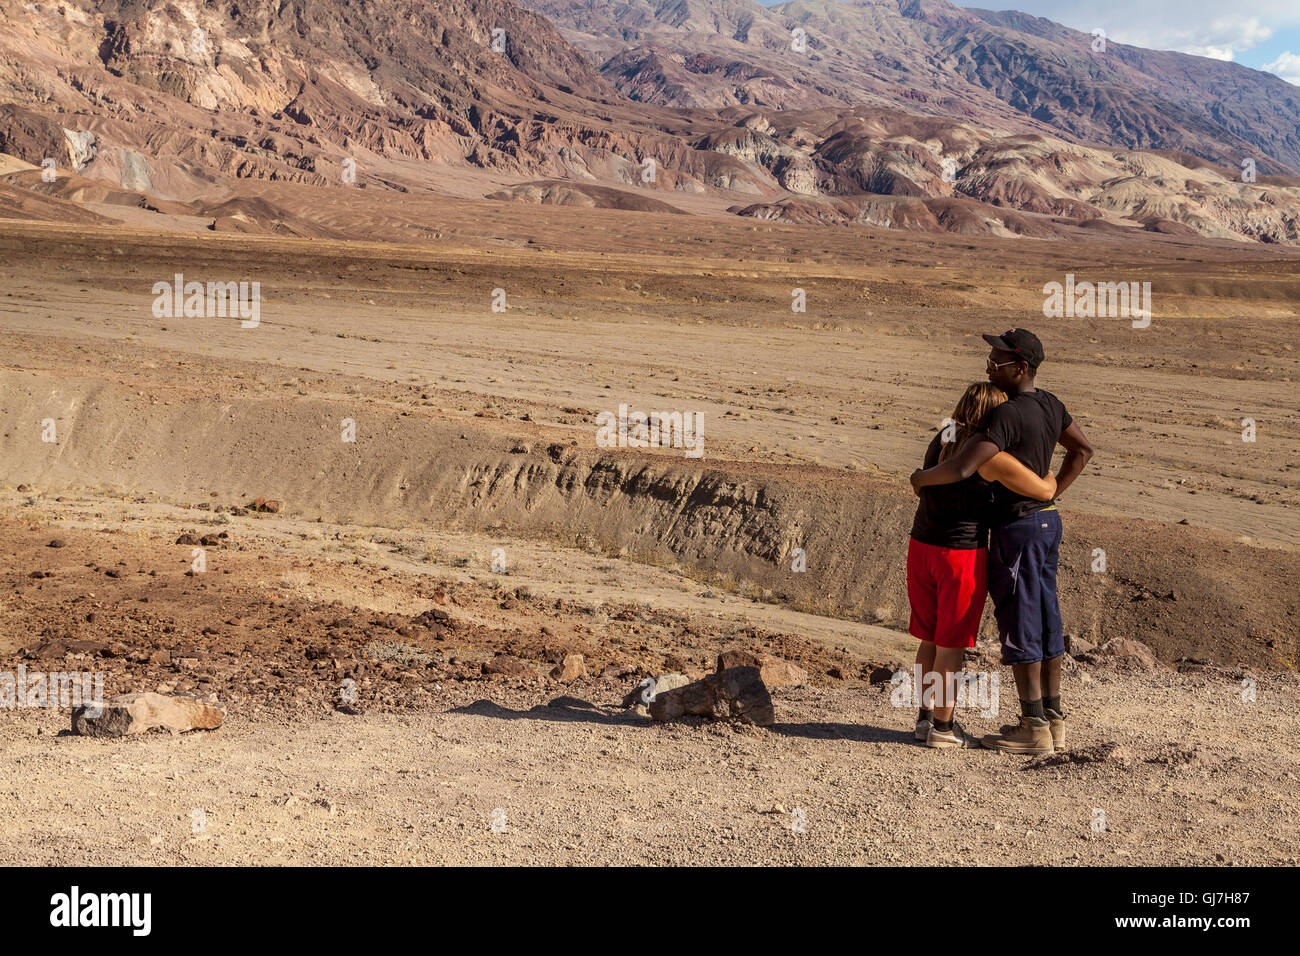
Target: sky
x=1262 y=34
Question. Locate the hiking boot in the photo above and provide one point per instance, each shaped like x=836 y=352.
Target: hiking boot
x=1032 y=735
x=922 y=729
x=1057 y=722
x=954 y=739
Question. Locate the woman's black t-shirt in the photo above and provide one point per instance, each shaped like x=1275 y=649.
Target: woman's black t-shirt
x=955 y=515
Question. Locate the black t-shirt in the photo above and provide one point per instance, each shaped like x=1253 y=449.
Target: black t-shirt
x=955 y=515
x=1028 y=426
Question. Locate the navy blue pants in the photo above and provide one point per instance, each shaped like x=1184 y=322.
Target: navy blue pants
x=1023 y=556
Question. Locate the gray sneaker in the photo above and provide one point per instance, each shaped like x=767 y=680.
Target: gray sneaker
x=922 y=729
x=954 y=739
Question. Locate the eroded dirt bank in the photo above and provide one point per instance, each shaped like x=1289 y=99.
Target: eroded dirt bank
x=1189 y=592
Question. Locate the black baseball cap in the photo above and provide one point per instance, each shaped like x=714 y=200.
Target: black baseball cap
x=1021 y=343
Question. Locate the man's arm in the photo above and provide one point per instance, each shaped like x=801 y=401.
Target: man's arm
x=1077 y=454
x=959 y=467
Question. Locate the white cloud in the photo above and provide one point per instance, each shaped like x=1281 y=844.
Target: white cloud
x=1200 y=27
x=1221 y=39
x=1213 y=52
x=1287 y=66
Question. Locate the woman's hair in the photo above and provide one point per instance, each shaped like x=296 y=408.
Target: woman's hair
x=971 y=414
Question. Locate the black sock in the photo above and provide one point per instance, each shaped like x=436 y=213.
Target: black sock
x=925 y=714
x=943 y=725
x=1053 y=703
x=1032 y=708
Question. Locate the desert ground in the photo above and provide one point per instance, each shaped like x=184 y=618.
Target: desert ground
x=475 y=521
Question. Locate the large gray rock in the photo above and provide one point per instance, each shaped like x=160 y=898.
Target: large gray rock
x=136 y=713
x=644 y=692
x=737 y=693
x=670 y=681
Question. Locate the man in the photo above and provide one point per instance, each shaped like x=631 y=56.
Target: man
x=1025 y=536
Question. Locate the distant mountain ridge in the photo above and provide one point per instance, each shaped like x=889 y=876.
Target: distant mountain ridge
x=908 y=114
x=1003 y=69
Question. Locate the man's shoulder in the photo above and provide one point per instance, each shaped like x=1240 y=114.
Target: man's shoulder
x=1060 y=413
x=1003 y=425
x=1043 y=398
x=1006 y=412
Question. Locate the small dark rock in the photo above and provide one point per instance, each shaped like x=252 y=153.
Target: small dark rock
x=506 y=666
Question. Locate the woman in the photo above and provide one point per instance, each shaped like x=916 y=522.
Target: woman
x=947 y=560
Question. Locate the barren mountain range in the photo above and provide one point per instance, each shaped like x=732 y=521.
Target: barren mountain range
x=911 y=114
x=1005 y=70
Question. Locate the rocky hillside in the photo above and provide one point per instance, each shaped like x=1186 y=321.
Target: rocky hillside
x=1010 y=71
x=898 y=170
x=177 y=108
x=173 y=98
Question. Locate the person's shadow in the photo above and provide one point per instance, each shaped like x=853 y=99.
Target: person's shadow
x=562 y=709
x=861 y=733
x=574 y=709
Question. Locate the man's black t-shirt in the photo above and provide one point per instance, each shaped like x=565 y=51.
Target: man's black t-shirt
x=1028 y=426
x=955 y=515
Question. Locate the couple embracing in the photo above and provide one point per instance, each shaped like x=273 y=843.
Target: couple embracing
x=987 y=525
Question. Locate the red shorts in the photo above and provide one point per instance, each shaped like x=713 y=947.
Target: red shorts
x=946 y=588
